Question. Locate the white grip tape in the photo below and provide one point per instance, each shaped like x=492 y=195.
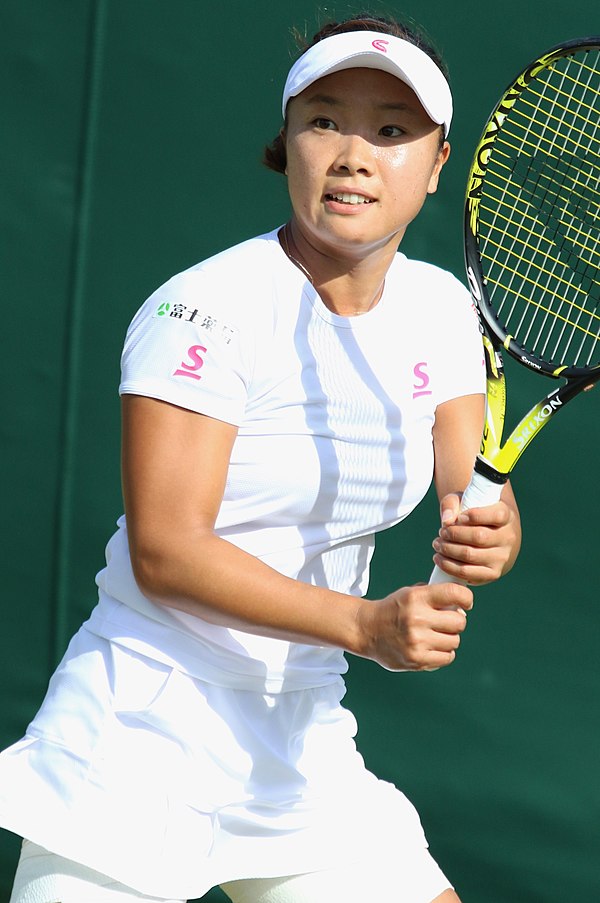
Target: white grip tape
x=479 y=493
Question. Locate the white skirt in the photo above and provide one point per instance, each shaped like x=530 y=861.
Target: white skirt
x=171 y=785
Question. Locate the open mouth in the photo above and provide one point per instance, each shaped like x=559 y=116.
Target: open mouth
x=346 y=198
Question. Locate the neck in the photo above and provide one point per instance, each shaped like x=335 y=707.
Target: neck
x=348 y=285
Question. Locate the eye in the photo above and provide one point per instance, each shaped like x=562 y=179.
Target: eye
x=323 y=123
x=391 y=131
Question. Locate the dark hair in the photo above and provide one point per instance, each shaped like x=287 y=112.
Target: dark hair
x=274 y=156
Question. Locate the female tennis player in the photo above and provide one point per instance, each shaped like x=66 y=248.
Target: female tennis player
x=282 y=403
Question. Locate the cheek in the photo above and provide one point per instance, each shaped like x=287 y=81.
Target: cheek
x=297 y=163
x=303 y=179
x=392 y=158
x=298 y=179
x=405 y=176
x=408 y=169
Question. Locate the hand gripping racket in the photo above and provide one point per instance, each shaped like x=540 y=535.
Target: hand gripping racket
x=532 y=247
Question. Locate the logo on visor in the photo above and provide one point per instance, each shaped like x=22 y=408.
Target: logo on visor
x=380 y=45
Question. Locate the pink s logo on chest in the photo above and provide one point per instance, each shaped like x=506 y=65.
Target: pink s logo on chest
x=421 y=380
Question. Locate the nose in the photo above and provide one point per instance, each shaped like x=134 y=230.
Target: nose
x=355 y=155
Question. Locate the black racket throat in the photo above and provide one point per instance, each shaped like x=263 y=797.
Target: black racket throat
x=490 y=473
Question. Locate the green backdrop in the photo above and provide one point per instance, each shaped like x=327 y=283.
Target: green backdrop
x=132 y=134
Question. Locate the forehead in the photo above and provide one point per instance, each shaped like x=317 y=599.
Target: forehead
x=352 y=87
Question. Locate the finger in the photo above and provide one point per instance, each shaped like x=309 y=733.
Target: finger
x=451 y=539
x=449 y=509
x=497 y=515
x=427 y=659
x=438 y=660
x=420 y=641
x=450 y=622
x=443 y=596
x=491 y=554
x=472 y=574
x=443 y=645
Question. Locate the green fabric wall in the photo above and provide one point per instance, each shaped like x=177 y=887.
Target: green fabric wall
x=132 y=134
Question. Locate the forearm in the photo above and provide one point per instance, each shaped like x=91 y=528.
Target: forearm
x=508 y=498
x=199 y=573
x=414 y=628
x=215 y=580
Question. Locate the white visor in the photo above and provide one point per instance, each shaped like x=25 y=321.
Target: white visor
x=375 y=50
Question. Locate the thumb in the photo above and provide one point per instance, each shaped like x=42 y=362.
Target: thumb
x=449 y=509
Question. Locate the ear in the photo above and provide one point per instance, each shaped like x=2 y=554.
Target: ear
x=440 y=162
x=283 y=136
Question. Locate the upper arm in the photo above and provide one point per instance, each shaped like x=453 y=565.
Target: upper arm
x=174 y=468
x=456 y=441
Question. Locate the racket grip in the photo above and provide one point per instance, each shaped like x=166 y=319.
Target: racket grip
x=480 y=492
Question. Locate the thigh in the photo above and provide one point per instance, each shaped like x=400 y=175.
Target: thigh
x=43 y=877
x=414 y=879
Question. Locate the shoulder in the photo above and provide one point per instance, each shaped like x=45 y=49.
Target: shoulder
x=444 y=326
x=194 y=342
x=423 y=276
x=249 y=257
x=231 y=274
x=227 y=289
x=431 y=290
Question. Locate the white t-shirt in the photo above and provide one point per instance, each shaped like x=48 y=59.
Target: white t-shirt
x=334 y=444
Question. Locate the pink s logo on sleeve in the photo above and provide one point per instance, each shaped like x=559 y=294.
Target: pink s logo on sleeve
x=421 y=380
x=195 y=363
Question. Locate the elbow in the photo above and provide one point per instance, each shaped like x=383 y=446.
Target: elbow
x=171 y=573
x=150 y=569
x=158 y=564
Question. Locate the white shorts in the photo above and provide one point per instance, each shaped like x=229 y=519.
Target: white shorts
x=43 y=877
x=171 y=786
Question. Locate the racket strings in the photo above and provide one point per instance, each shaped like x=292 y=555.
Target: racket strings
x=539 y=215
x=541 y=185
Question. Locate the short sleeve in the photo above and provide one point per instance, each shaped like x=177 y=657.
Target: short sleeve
x=184 y=346
x=461 y=348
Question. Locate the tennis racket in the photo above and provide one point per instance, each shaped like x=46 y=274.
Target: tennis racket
x=532 y=248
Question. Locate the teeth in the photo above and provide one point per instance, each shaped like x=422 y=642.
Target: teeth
x=350 y=198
